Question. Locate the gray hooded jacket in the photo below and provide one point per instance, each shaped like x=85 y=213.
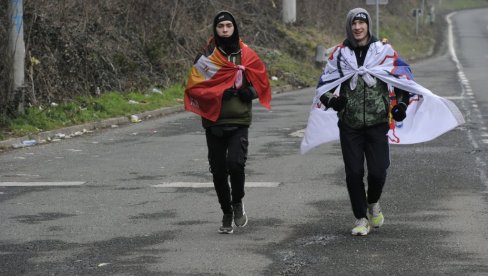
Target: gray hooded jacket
x=366 y=106
x=350 y=16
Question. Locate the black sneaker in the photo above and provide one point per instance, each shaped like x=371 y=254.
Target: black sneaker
x=240 y=217
x=226 y=227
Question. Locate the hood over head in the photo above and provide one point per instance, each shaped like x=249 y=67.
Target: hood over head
x=357 y=14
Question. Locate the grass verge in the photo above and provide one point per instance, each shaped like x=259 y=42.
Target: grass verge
x=89 y=109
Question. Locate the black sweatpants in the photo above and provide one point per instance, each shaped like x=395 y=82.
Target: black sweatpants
x=227 y=155
x=370 y=143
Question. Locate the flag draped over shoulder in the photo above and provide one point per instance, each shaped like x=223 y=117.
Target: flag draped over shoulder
x=428 y=115
x=211 y=75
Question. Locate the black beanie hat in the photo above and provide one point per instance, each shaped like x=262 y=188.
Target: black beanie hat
x=227 y=44
x=361 y=16
x=223 y=16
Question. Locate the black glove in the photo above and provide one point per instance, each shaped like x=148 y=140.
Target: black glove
x=229 y=93
x=324 y=99
x=336 y=103
x=399 y=112
x=245 y=94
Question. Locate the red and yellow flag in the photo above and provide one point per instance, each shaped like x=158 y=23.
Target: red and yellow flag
x=211 y=75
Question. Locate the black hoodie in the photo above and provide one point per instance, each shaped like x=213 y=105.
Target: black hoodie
x=230 y=44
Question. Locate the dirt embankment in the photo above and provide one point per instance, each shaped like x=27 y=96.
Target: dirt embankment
x=85 y=46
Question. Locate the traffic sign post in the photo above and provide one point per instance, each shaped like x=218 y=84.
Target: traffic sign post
x=377 y=3
x=417 y=13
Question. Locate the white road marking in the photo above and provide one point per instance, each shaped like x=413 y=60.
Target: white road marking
x=28 y=175
x=480 y=164
x=210 y=185
x=298 y=133
x=453 y=97
x=39 y=184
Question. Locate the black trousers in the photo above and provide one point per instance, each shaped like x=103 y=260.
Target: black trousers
x=357 y=144
x=227 y=155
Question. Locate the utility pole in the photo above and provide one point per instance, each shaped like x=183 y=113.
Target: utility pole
x=17 y=49
x=378 y=19
x=289 y=11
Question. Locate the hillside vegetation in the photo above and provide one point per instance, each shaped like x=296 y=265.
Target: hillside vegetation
x=79 y=49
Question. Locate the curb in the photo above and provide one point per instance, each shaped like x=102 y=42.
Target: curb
x=78 y=130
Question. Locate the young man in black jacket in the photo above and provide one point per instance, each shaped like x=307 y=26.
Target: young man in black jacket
x=226 y=126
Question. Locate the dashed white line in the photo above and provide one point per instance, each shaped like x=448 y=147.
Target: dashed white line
x=210 y=185
x=481 y=165
x=454 y=97
x=39 y=184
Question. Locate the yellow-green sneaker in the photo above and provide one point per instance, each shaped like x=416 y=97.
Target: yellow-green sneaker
x=361 y=227
x=376 y=218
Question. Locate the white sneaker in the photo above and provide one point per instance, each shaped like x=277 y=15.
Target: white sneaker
x=361 y=227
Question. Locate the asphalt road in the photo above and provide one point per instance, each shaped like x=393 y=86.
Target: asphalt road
x=116 y=218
